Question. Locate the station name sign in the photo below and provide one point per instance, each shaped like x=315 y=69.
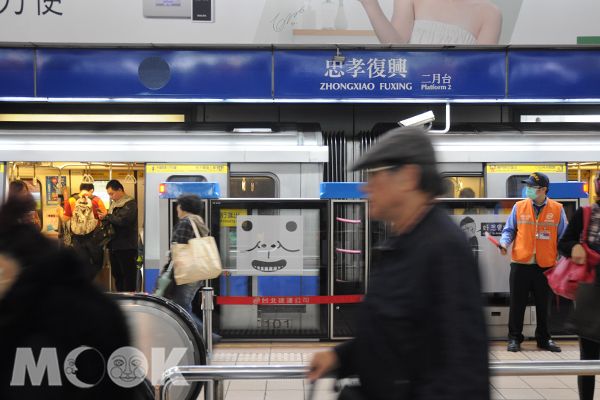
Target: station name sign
x=390 y=74
x=298 y=75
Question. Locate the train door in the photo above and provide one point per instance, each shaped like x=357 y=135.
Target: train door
x=51 y=183
x=586 y=173
x=275 y=259
x=159 y=213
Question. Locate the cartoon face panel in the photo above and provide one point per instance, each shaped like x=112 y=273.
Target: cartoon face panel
x=269 y=245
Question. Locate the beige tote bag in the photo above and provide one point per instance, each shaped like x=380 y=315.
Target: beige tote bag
x=197 y=260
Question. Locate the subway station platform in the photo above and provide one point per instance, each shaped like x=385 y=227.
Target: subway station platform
x=300 y=353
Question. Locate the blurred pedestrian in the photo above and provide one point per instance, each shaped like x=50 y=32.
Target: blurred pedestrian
x=570 y=246
x=49 y=306
x=421 y=331
x=18 y=187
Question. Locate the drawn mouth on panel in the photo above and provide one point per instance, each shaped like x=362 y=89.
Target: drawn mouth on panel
x=268 y=266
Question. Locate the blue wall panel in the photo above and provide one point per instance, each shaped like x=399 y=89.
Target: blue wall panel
x=203 y=74
x=554 y=74
x=16 y=73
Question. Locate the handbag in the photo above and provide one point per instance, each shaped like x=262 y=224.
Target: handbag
x=565 y=276
x=584 y=316
x=197 y=260
x=165 y=283
x=104 y=233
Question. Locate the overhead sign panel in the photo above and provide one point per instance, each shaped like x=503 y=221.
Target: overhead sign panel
x=571 y=74
x=202 y=74
x=389 y=74
x=16 y=73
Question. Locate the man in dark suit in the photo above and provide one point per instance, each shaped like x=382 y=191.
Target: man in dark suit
x=422 y=331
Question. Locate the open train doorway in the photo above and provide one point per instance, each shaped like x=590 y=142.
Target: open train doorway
x=52 y=184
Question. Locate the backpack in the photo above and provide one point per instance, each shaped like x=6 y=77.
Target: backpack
x=83 y=220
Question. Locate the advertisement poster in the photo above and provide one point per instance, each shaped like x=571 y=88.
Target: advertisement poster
x=198 y=22
x=52 y=189
x=50 y=224
x=269 y=245
x=494 y=268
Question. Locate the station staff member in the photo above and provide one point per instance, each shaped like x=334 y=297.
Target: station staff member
x=535 y=225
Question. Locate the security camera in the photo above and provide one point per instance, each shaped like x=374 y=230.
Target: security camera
x=420 y=119
x=338 y=57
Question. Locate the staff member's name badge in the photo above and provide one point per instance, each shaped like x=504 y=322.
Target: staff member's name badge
x=544 y=235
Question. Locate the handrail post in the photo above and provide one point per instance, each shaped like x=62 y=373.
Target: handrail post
x=207 y=308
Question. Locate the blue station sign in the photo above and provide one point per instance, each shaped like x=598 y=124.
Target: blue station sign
x=299 y=75
x=390 y=75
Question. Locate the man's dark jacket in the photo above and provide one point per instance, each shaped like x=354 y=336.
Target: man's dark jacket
x=124 y=219
x=421 y=332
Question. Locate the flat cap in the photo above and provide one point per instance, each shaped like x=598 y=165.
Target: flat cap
x=400 y=146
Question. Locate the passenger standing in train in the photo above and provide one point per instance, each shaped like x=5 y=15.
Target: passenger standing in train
x=123 y=216
x=48 y=309
x=82 y=211
x=189 y=206
x=570 y=246
x=535 y=225
x=421 y=331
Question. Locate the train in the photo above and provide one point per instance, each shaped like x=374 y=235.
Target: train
x=277 y=175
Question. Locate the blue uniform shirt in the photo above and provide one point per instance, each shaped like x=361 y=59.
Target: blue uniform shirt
x=510 y=229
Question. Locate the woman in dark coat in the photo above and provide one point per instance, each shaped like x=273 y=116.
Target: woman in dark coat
x=47 y=302
x=569 y=246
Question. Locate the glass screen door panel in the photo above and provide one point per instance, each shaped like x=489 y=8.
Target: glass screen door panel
x=275 y=256
x=349 y=255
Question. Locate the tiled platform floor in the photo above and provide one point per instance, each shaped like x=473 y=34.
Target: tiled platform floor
x=294 y=353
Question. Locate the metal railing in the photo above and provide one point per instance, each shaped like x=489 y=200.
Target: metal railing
x=217 y=373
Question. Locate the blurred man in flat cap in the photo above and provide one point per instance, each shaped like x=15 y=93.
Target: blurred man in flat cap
x=421 y=333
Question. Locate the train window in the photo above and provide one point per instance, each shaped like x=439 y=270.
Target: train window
x=186 y=178
x=514 y=187
x=100 y=191
x=252 y=186
x=463 y=187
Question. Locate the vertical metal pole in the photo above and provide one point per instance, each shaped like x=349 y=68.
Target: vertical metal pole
x=218 y=389
x=207 y=308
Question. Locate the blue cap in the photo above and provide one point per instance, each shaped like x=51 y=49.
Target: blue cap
x=537 y=179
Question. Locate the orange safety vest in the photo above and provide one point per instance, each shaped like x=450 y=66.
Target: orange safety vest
x=538 y=236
